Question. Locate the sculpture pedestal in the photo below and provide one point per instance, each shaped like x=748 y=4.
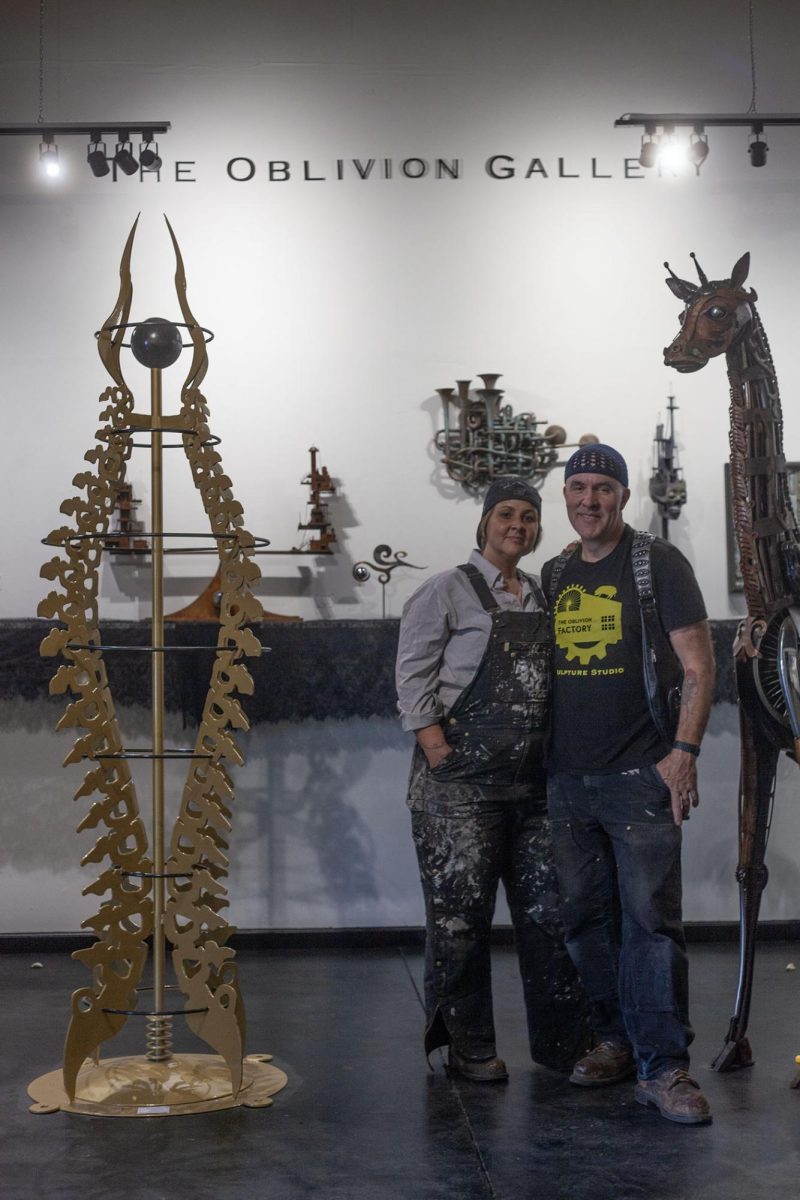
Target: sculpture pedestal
x=136 y=1087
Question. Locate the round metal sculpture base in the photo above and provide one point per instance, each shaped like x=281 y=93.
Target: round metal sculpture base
x=137 y=1087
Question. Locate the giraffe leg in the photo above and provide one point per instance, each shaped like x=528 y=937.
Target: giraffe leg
x=759 y=759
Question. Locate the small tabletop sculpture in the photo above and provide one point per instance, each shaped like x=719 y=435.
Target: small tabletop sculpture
x=177 y=894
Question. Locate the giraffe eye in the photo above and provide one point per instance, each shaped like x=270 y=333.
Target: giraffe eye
x=716 y=312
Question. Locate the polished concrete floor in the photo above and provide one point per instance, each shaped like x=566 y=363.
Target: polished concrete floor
x=363 y=1118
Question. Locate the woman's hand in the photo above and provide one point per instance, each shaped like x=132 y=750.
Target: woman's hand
x=437 y=754
x=433 y=744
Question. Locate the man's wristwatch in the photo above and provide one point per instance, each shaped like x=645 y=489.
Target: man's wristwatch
x=688 y=747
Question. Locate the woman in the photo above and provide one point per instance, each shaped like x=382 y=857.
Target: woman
x=473 y=672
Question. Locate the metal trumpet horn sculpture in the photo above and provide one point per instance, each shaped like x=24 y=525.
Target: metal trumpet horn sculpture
x=489 y=441
x=720 y=318
x=175 y=895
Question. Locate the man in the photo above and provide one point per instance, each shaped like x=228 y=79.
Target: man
x=623 y=778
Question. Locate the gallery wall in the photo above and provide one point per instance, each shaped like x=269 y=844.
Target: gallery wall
x=339 y=305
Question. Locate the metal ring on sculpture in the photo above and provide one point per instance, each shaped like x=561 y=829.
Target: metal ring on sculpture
x=139 y=1012
x=148 y=533
x=208 y=335
x=213 y=439
x=139 y=752
x=149 y=649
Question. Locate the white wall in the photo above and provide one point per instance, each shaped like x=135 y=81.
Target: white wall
x=321 y=833
x=339 y=306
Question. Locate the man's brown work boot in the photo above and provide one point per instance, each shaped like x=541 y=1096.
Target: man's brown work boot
x=608 y=1062
x=676 y=1096
x=479 y=1070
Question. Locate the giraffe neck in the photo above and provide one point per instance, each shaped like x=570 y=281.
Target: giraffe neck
x=763 y=519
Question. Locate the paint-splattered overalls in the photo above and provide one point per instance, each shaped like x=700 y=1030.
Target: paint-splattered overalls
x=478 y=817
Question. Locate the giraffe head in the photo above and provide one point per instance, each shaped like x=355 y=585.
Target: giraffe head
x=716 y=312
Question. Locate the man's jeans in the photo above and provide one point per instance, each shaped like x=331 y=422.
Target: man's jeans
x=617 y=852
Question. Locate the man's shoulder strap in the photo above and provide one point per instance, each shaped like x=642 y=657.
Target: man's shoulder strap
x=556 y=573
x=641 y=564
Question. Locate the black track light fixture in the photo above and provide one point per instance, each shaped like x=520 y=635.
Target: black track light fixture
x=98 y=160
x=96 y=155
x=658 y=127
x=757 y=148
x=649 y=150
x=48 y=156
x=149 y=158
x=697 y=150
x=123 y=155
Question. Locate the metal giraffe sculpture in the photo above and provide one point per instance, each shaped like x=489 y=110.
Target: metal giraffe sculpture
x=175 y=894
x=720 y=317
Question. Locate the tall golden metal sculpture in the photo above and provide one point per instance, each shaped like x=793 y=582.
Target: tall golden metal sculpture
x=175 y=898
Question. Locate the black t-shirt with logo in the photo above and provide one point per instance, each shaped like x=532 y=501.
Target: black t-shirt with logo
x=601 y=720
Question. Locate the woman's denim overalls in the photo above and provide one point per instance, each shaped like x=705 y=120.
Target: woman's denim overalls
x=479 y=817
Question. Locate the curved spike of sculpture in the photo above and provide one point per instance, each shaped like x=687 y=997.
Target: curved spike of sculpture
x=722 y=319
x=110 y=340
x=700 y=272
x=199 y=364
x=680 y=287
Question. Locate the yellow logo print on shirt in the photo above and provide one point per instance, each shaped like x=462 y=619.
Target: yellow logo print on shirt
x=586 y=625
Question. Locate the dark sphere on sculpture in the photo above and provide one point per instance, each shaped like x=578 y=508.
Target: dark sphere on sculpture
x=156 y=342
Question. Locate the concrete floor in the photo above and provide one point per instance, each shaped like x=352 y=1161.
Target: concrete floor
x=363 y=1117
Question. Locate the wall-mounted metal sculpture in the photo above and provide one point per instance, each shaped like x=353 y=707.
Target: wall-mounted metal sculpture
x=667 y=485
x=175 y=895
x=319 y=483
x=125 y=538
x=487 y=440
x=384 y=565
x=720 y=317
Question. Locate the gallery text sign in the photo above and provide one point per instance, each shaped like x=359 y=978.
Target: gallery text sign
x=242 y=169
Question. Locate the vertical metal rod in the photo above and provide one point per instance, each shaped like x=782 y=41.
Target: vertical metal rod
x=157 y=694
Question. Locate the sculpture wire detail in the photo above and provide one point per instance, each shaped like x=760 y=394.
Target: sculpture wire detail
x=177 y=896
x=384 y=565
x=488 y=441
x=720 y=317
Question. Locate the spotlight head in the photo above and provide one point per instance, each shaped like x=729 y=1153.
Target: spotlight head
x=123 y=156
x=698 y=147
x=758 y=152
x=149 y=158
x=96 y=157
x=671 y=155
x=48 y=157
x=648 y=153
